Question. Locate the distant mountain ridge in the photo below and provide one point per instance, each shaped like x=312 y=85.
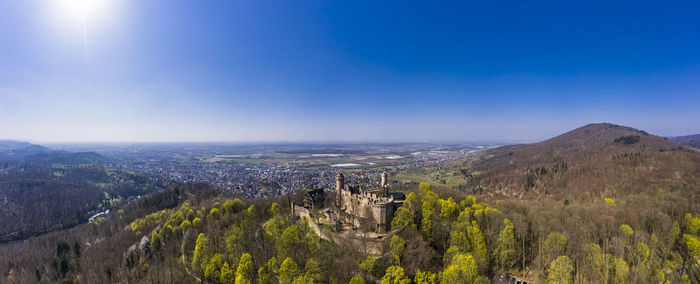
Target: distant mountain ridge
x=18 y=150
x=11 y=144
x=690 y=140
x=602 y=159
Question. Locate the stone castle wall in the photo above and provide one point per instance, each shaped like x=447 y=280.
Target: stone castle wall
x=359 y=204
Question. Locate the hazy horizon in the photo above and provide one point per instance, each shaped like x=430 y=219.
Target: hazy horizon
x=278 y=142
x=305 y=142
x=157 y=71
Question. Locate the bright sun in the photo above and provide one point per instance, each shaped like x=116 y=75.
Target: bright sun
x=82 y=13
x=83 y=19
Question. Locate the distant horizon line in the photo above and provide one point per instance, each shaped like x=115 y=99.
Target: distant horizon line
x=324 y=142
x=308 y=142
x=271 y=142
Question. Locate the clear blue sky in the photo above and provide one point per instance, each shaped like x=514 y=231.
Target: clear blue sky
x=344 y=70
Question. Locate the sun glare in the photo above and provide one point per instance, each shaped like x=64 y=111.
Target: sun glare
x=81 y=14
x=82 y=20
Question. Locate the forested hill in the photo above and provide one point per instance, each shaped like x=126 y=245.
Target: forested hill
x=26 y=152
x=42 y=190
x=191 y=233
x=598 y=159
x=195 y=233
x=690 y=140
x=16 y=150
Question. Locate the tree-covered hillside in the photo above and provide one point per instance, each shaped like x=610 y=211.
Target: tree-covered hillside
x=690 y=140
x=191 y=233
x=55 y=190
x=600 y=160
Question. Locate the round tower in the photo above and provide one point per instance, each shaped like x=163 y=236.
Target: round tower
x=385 y=178
x=339 y=185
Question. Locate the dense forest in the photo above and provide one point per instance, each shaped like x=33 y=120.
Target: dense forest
x=47 y=192
x=191 y=233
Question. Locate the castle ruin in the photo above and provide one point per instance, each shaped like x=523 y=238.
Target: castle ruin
x=362 y=208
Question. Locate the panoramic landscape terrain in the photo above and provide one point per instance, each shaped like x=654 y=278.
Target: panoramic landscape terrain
x=223 y=213
x=294 y=142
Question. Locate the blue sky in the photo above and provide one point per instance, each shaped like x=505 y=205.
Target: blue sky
x=345 y=71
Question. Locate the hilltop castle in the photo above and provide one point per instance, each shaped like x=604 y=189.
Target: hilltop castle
x=369 y=210
x=374 y=207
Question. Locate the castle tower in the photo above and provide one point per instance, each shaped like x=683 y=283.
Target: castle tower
x=385 y=178
x=339 y=185
x=291 y=204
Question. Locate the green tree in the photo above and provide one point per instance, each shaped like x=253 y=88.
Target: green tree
x=402 y=218
x=560 y=270
x=450 y=253
x=481 y=279
x=289 y=270
x=397 y=246
x=660 y=277
x=214 y=213
x=642 y=253
x=427 y=221
x=462 y=269
x=412 y=204
x=653 y=241
x=190 y=214
x=275 y=226
x=626 y=232
x=459 y=239
x=156 y=241
x=313 y=271
x=267 y=272
x=227 y=276
x=233 y=206
x=213 y=269
x=505 y=246
x=478 y=247
x=395 y=275
x=424 y=187
x=594 y=263
x=620 y=270
x=357 y=279
x=691 y=224
x=367 y=265
x=202 y=253
x=673 y=234
x=469 y=201
x=448 y=208
x=692 y=245
x=245 y=271
x=691 y=253
x=303 y=279
x=233 y=237
x=425 y=277
x=290 y=242
x=184 y=226
x=554 y=245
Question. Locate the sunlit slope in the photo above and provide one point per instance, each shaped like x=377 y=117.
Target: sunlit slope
x=596 y=159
